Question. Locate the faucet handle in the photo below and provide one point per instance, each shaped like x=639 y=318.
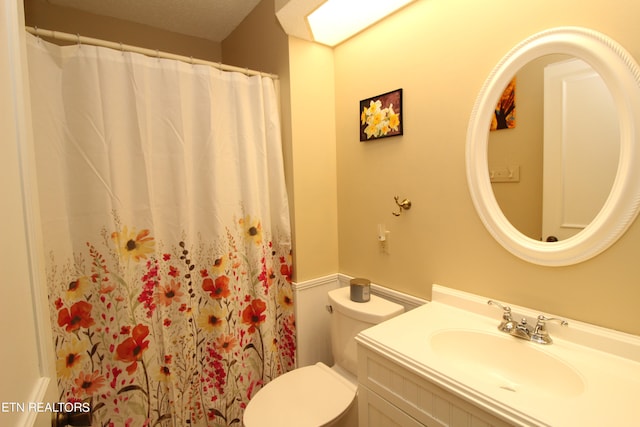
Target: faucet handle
x=505 y=308
x=540 y=333
x=543 y=319
x=507 y=324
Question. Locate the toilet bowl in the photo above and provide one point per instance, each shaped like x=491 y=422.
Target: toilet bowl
x=319 y=395
x=312 y=396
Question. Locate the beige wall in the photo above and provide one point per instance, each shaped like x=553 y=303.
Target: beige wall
x=314 y=159
x=42 y=14
x=440 y=52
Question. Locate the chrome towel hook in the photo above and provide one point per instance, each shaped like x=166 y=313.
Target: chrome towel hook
x=403 y=205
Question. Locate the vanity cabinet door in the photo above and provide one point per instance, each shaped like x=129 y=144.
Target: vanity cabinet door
x=374 y=411
x=413 y=396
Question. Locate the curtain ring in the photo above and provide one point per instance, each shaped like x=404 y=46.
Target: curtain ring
x=79 y=42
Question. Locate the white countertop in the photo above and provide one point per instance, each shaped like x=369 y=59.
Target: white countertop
x=604 y=364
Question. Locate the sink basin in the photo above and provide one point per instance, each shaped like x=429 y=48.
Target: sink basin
x=506 y=362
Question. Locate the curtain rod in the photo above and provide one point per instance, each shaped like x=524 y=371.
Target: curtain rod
x=77 y=38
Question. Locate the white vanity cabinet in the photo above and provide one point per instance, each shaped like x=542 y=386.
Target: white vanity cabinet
x=390 y=395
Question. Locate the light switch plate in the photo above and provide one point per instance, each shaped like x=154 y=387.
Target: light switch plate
x=505 y=174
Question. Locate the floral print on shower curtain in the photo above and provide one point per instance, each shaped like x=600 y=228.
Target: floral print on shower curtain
x=184 y=332
x=166 y=235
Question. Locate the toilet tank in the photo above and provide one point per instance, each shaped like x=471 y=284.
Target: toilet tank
x=348 y=318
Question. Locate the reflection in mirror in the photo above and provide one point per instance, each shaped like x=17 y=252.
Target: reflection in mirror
x=621 y=76
x=565 y=149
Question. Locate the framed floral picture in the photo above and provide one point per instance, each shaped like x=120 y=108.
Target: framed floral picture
x=380 y=116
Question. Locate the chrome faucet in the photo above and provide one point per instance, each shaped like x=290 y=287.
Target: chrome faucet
x=538 y=334
x=507 y=325
x=522 y=330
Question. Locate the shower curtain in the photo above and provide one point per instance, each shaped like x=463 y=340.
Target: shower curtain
x=166 y=233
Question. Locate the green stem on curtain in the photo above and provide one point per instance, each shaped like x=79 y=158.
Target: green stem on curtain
x=146 y=378
x=261 y=355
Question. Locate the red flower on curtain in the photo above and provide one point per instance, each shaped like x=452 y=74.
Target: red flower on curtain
x=79 y=316
x=131 y=349
x=87 y=384
x=166 y=294
x=151 y=281
x=253 y=314
x=286 y=269
x=218 y=289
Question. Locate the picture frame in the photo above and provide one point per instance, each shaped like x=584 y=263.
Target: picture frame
x=381 y=116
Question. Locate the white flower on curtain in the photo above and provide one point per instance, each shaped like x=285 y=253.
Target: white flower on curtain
x=166 y=225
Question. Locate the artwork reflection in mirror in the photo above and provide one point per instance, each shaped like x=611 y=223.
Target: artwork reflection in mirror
x=566 y=148
x=504 y=116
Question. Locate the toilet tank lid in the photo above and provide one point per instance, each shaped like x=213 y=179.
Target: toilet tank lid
x=374 y=311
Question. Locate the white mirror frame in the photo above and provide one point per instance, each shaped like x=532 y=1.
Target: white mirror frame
x=621 y=73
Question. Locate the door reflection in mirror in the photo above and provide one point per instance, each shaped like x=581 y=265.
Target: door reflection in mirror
x=566 y=145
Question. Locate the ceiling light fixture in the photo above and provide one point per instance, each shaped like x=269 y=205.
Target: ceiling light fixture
x=337 y=20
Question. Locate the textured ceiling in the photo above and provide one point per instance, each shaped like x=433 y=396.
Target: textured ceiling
x=208 y=19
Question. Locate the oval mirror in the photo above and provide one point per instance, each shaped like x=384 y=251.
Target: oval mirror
x=617 y=207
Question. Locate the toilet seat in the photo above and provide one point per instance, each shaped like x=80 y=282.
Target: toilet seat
x=305 y=397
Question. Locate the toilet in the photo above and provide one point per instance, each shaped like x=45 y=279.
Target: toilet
x=318 y=395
